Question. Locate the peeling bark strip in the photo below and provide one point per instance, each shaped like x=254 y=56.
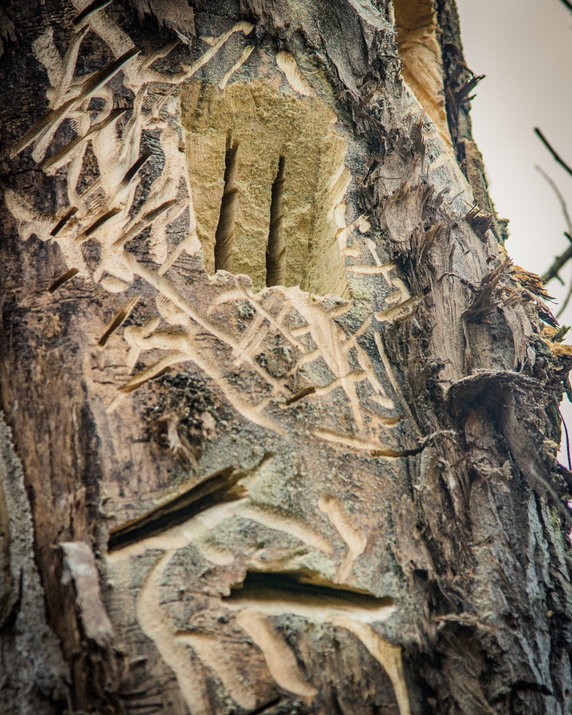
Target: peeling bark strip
x=240 y=245
x=81 y=569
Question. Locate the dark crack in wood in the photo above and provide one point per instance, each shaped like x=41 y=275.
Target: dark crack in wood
x=292 y=587
x=62 y=222
x=90 y=9
x=60 y=280
x=116 y=322
x=275 y=250
x=224 y=236
x=220 y=487
x=98 y=223
x=130 y=173
x=98 y=126
x=300 y=395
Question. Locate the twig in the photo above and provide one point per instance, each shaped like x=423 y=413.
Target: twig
x=568 y=295
x=568 y=4
x=567 y=440
x=555 y=155
x=552 y=272
x=559 y=261
x=560 y=197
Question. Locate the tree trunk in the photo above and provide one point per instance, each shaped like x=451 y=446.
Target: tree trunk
x=280 y=416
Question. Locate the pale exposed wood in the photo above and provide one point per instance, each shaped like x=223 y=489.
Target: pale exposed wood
x=335 y=493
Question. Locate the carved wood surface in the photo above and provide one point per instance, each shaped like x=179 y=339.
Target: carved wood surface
x=279 y=401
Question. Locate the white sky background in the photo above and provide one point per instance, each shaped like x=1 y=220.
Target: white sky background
x=524 y=47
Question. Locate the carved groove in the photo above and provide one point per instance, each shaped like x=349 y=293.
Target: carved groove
x=89 y=10
x=145 y=221
x=87 y=88
x=130 y=173
x=275 y=249
x=68 y=149
x=62 y=222
x=300 y=395
x=266 y=706
x=115 y=323
x=60 y=280
x=291 y=588
x=98 y=223
x=220 y=487
x=224 y=235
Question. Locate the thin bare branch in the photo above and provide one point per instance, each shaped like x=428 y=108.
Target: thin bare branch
x=566 y=301
x=559 y=261
x=553 y=151
x=559 y=196
x=568 y=4
x=568 y=294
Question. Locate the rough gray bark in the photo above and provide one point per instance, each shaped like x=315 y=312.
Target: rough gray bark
x=322 y=479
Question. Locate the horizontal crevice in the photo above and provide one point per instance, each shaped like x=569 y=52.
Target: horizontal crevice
x=97 y=127
x=152 y=215
x=218 y=488
x=265 y=706
x=98 y=223
x=294 y=587
x=401 y=453
x=146 y=375
x=145 y=221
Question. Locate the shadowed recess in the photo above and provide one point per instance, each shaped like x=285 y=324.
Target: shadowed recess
x=269 y=183
x=62 y=222
x=292 y=592
x=220 y=487
x=275 y=249
x=224 y=236
x=420 y=52
x=63 y=278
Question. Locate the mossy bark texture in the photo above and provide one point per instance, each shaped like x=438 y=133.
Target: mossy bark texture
x=280 y=415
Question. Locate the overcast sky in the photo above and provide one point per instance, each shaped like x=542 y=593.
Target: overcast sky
x=524 y=47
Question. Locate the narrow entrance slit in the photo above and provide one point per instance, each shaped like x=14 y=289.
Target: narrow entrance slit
x=224 y=235
x=275 y=249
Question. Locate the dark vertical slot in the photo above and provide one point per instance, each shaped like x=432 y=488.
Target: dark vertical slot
x=224 y=235
x=275 y=248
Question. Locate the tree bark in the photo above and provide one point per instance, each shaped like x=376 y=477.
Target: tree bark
x=280 y=416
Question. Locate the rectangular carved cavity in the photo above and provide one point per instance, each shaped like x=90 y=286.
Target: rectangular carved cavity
x=270 y=202
x=420 y=52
